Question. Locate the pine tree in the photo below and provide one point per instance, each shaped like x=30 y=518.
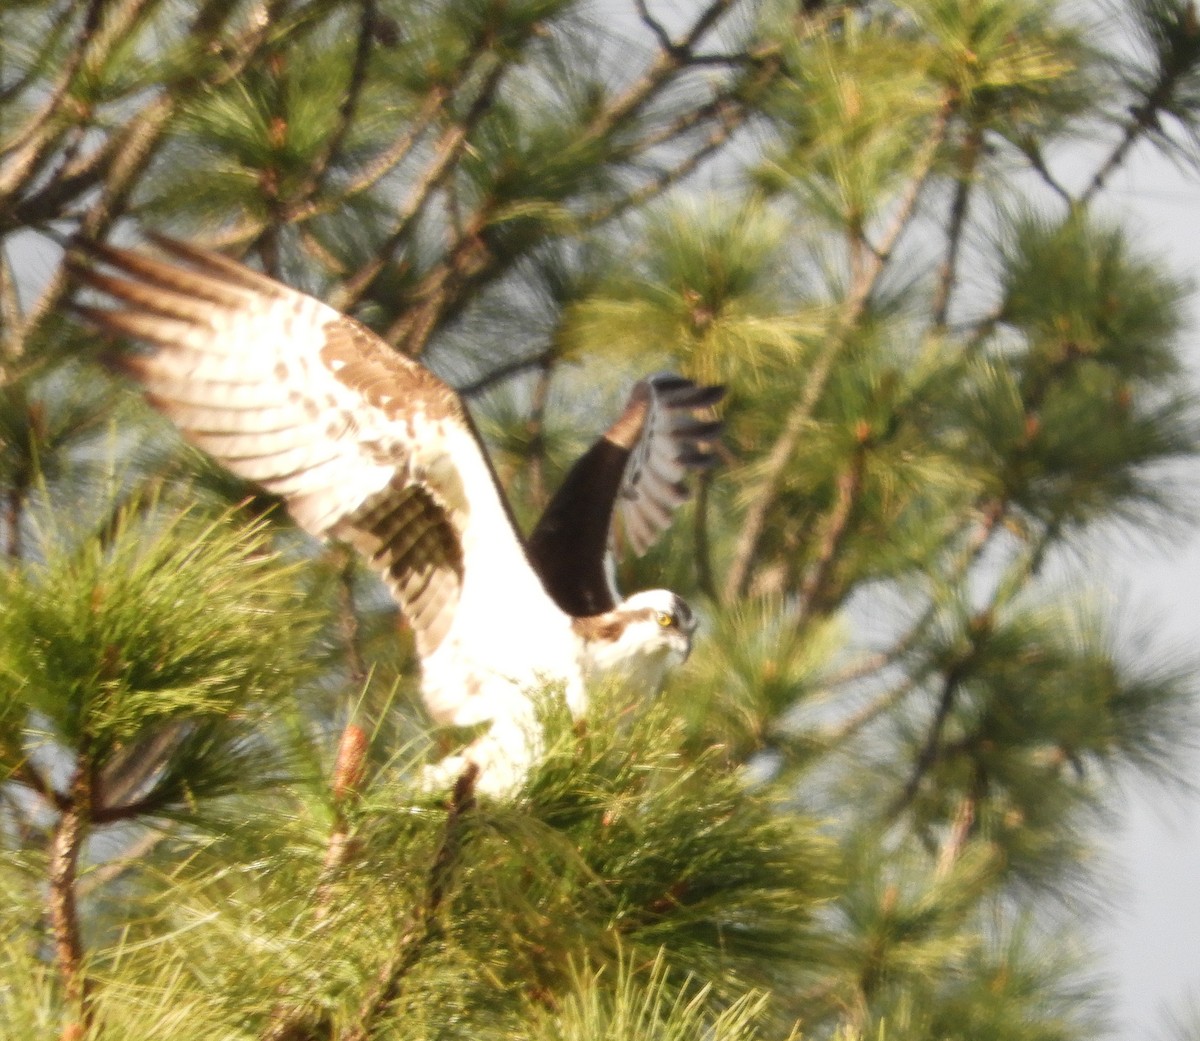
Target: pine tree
x=857 y=811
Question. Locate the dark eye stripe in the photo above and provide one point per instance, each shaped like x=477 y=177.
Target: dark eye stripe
x=681 y=613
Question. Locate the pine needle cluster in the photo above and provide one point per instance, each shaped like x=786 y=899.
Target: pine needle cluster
x=854 y=811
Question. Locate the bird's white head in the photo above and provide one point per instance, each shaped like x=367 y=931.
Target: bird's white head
x=641 y=639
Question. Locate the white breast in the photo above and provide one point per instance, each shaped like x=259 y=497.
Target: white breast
x=508 y=640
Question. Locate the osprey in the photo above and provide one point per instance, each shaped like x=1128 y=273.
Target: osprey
x=368 y=447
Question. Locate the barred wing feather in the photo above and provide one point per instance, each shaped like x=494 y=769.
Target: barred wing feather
x=361 y=443
x=636 y=472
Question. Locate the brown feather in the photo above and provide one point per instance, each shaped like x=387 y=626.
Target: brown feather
x=320 y=429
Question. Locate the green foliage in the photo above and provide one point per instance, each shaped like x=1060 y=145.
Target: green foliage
x=633 y=1008
x=572 y=890
x=1170 y=82
x=185 y=596
x=1076 y=290
x=1014 y=67
x=944 y=371
x=705 y=289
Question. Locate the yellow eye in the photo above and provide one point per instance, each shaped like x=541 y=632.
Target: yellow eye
x=665 y=620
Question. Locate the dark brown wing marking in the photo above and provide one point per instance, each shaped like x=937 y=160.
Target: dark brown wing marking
x=405 y=534
x=638 y=469
x=285 y=391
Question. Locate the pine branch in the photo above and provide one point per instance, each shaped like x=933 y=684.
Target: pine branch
x=815 y=588
x=978 y=629
x=139 y=141
x=28 y=831
x=665 y=42
x=1144 y=120
x=728 y=118
x=931 y=750
x=422 y=927
x=848 y=728
x=133 y=856
x=374 y=171
x=70 y=183
x=535 y=433
x=470 y=261
x=666 y=66
x=127 y=772
x=347 y=110
x=27 y=774
x=39 y=61
x=1177 y=61
x=10 y=316
x=1033 y=153
x=505 y=372
x=34 y=143
x=684 y=50
x=348 y=773
x=800 y=416
x=79 y=176
x=992 y=515
x=350 y=764
x=948 y=273
x=418 y=323
x=961 y=827
x=879 y=256
x=65 y=846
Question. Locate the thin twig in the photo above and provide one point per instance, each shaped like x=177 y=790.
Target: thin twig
x=445 y=155
x=27 y=774
x=28 y=832
x=1144 y=117
x=347 y=110
x=383 y=163
x=814 y=590
x=664 y=39
x=1034 y=154
x=28 y=150
x=65 y=846
x=133 y=856
x=139 y=140
x=948 y=274
x=868 y=713
x=800 y=416
x=535 y=431
x=730 y=118
x=422 y=926
x=961 y=827
x=931 y=749
x=1142 y=122
x=668 y=63
x=504 y=372
x=992 y=515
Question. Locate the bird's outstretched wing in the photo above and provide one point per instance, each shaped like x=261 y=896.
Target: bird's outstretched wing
x=361 y=443
x=636 y=471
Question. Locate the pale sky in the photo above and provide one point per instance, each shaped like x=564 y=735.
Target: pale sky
x=1151 y=942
